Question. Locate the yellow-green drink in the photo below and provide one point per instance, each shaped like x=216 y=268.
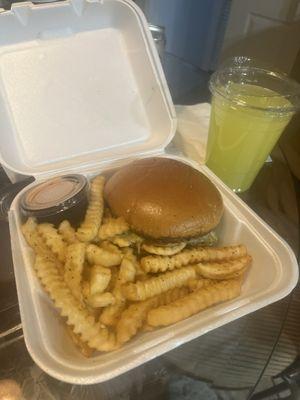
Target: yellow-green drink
x=246 y=121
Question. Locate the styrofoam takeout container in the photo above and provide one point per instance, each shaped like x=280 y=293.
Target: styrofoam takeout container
x=82 y=90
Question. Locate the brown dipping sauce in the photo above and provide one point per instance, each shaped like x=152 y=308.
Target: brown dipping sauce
x=59 y=198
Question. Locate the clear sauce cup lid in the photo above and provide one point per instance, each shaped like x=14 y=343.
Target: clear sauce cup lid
x=54 y=196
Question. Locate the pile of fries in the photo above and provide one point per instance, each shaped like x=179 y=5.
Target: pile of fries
x=109 y=283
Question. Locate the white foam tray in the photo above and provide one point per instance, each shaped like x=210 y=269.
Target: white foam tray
x=273 y=275
x=81 y=87
x=80 y=84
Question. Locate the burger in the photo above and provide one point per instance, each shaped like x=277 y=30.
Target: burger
x=165 y=201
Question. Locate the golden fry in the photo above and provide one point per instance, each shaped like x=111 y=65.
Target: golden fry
x=194 y=302
x=113 y=227
x=195 y=284
x=99 y=279
x=53 y=240
x=127 y=269
x=127 y=251
x=77 y=316
x=173 y=294
x=126 y=239
x=223 y=270
x=85 y=289
x=164 y=299
x=169 y=250
x=110 y=343
x=111 y=314
x=133 y=318
x=89 y=228
x=67 y=232
x=192 y=256
x=238 y=274
x=151 y=287
x=89 y=282
x=99 y=300
x=113 y=279
x=140 y=274
x=33 y=238
x=84 y=348
x=97 y=255
x=112 y=248
x=75 y=255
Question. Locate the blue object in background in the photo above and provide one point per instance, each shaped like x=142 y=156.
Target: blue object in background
x=194 y=32
x=194 y=28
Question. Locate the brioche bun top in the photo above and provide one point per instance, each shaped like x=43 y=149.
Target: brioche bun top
x=164 y=199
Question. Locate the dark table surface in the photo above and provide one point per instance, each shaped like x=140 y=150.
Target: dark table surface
x=231 y=362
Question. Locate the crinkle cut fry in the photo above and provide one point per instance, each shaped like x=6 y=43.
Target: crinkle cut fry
x=99 y=300
x=127 y=271
x=76 y=315
x=135 y=315
x=196 y=284
x=111 y=314
x=33 y=238
x=164 y=307
x=84 y=348
x=194 y=302
x=67 y=232
x=73 y=268
x=110 y=247
x=224 y=269
x=151 y=287
x=88 y=230
x=192 y=256
x=53 y=240
x=238 y=274
x=99 y=279
x=113 y=227
x=97 y=255
x=126 y=239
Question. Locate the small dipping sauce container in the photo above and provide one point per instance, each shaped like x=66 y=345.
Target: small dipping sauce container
x=59 y=198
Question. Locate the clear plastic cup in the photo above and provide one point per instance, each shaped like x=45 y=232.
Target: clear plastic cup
x=251 y=106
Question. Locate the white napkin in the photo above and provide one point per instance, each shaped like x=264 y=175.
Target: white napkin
x=192 y=130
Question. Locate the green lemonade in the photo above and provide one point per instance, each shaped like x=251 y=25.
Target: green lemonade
x=242 y=136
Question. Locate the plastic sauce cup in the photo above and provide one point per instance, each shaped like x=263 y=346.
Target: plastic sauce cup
x=59 y=198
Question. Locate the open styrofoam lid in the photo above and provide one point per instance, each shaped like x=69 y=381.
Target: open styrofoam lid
x=80 y=83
